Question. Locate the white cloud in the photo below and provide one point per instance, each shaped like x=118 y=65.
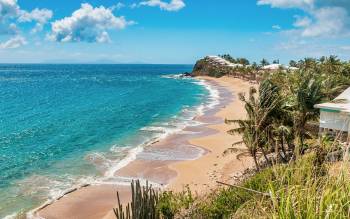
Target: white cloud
x=276 y=27
x=287 y=3
x=87 y=24
x=8 y=9
x=327 y=20
x=15 y=42
x=118 y=6
x=10 y=12
x=302 y=21
x=174 y=5
x=40 y=16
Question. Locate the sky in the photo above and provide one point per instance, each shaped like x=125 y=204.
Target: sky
x=171 y=31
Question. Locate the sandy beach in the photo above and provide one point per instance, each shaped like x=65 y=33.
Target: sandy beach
x=214 y=166
x=199 y=173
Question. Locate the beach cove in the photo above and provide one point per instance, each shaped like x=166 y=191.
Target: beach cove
x=200 y=173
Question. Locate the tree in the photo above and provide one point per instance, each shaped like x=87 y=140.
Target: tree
x=254 y=128
x=264 y=62
x=307 y=93
x=293 y=63
x=243 y=61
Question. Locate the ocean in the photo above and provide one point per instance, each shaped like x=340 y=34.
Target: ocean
x=63 y=125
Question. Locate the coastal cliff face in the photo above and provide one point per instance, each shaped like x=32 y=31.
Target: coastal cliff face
x=204 y=67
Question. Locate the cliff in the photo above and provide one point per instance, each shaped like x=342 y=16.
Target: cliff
x=205 y=67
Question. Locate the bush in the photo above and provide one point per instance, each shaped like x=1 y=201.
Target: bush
x=171 y=203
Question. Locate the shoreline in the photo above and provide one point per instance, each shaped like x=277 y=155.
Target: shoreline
x=175 y=174
x=214 y=166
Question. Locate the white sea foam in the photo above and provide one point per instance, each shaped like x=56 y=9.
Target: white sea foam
x=175 y=125
x=214 y=94
x=11 y=216
x=154 y=129
x=174 y=76
x=158 y=131
x=120 y=164
x=124 y=181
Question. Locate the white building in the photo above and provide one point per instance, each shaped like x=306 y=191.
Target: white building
x=272 y=67
x=223 y=62
x=335 y=115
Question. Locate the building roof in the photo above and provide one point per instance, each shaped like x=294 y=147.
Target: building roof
x=223 y=61
x=272 y=67
x=340 y=103
x=292 y=68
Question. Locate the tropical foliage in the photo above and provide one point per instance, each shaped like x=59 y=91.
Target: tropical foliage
x=279 y=115
x=304 y=176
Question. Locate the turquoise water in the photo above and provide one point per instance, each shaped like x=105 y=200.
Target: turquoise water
x=60 y=124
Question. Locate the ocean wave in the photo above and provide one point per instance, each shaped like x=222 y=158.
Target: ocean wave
x=157 y=129
x=214 y=94
x=175 y=125
x=121 y=156
x=181 y=152
x=174 y=76
x=11 y=216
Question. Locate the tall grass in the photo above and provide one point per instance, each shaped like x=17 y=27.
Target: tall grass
x=308 y=191
x=305 y=188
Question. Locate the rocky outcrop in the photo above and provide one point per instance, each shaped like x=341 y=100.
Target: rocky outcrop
x=205 y=67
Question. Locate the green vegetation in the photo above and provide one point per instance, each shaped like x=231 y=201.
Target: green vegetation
x=204 y=67
x=148 y=203
x=298 y=174
x=143 y=205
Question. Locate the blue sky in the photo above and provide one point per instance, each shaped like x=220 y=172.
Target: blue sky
x=171 y=31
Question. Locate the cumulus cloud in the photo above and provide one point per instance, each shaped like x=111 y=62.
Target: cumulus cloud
x=8 y=9
x=87 y=24
x=10 y=12
x=15 y=42
x=302 y=21
x=324 y=18
x=329 y=21
x=173 y=5
x=40 y=16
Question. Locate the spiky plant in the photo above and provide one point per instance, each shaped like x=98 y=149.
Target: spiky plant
x=143 y=204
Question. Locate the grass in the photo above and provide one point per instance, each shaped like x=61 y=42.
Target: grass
x=302 y=189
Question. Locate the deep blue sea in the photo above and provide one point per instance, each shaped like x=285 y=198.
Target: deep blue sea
x=61 y=124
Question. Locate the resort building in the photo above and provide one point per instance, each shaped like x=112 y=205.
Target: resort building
x=335 y=115
x=222 y=62
x=276 y=67
x=272 y=67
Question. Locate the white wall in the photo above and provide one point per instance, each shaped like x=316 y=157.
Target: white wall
x=334 y=120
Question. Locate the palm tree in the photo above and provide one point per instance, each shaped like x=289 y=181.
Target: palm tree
x=259 y=117
x=247 y=127
x=293 y=63
x=264 y=62
x=307 y=93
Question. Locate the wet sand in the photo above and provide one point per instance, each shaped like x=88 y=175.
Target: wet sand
x=163 y=162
